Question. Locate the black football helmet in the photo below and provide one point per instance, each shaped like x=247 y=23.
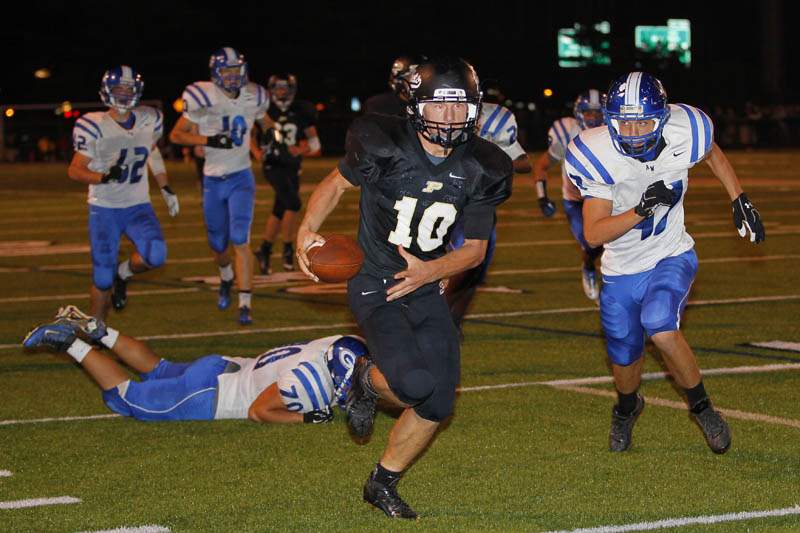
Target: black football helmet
x=282 y=90
x=445 y=79
x=402 y=69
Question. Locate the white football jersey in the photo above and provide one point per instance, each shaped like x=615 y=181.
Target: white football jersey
x=497 y=124
x=100 y=138
x=300 y=370
x=599 y=171
x=207 y=106
x=559 y=136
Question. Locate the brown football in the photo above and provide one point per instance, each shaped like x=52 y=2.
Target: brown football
x=339 y=259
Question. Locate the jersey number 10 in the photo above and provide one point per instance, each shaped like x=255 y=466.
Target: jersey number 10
x=437 y=218
x=237 y=129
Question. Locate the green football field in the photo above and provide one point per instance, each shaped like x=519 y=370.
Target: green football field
x=527 y=447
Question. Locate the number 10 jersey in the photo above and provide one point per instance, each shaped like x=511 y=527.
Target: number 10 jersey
x=408 y=200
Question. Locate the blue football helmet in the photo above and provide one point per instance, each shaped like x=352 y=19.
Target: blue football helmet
x=588 y=109
x=341 y=357
x=121 y=88
x=634 y=97
x=228 y=58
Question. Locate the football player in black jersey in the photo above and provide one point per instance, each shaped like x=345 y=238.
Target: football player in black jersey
x=281 y=154
x=418 y=175
x=394 y=102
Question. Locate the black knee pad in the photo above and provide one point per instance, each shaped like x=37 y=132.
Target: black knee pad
x=415 y=387
x=439 y=405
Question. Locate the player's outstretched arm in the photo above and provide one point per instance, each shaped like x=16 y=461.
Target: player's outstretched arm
x=323 y=200
x=746 y=218
x=185 y=133
x=540 y=167
x=269 y=408
x=419 y=272
x=156 y=163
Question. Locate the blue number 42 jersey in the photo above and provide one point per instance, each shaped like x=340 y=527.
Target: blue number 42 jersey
x=100 y=138
x=599 y=171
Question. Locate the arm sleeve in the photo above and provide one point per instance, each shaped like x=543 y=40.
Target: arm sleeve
x=262 y=102
x=494 y=189
x=193 y=105
x=304 y=388
x=359 y=165
x=701 y=129
x=84 y=140
x=555 y=144
x=158 y=128
x=508 y=139
x=589 y=186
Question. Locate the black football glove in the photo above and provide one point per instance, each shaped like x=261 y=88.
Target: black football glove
x=655 y=195
x=219 y=141
x=746 y=218
x=114 y=174
x=320 y=416
x=547 y=206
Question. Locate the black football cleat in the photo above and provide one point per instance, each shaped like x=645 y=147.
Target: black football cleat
x=263 y=262
x=385 y=498
x=620 y=437
x=119 y=293
x=288 y=259
x=715 y=429
x=361 y=403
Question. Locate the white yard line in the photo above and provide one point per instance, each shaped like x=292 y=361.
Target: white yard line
x=85 y=295
x=686 y=521
x=150 y=528
x=54 y=419
x=778 y=345
x=562 y=384
x=661 y=402
x=536 y=312
x=38 y=502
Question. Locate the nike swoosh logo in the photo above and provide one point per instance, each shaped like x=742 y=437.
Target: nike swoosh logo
x=367 y=293
x=457 y=177
x=676 y=154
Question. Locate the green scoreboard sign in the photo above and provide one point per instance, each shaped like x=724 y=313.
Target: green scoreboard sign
x=674 y=39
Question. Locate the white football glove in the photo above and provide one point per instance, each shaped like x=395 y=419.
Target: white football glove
x=171 y=199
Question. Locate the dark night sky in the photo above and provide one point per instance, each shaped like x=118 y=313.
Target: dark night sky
x=345 y=48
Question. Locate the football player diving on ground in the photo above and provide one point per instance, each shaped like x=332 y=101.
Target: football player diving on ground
x=288 y=384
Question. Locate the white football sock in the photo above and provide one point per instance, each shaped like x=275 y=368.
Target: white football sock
x=78 y=350
x=110 y=339
x=124 y=270
x=226 y=272
x=245 y=299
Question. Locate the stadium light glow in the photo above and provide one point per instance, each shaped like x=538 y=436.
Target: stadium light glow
x=177 y=105
x=9 y=112
x=41 y=74
x=548 y=92
x=355 y=104
x=321 y=107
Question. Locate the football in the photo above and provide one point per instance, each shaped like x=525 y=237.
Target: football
x=339 y=259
